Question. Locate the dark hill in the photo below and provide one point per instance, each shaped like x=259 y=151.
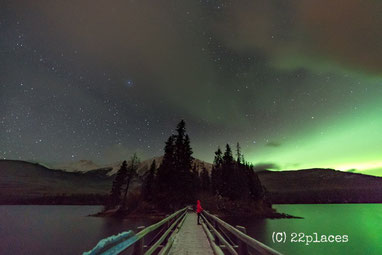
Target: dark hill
x=25 y=182
x=321 y=186
x=29 y=183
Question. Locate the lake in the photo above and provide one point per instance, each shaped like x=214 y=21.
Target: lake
x=362 y=223
x=68 y=230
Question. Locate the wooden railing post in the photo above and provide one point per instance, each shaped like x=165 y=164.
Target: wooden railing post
x=139 y=246
x=239 y=233
x=243 y=247
x=168 y=222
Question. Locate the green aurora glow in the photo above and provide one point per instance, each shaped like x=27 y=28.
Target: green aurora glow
x=297 y=83
x=350 y=140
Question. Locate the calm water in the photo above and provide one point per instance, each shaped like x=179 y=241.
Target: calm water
x=362 y=223
x=67 y=230
x=56 y=229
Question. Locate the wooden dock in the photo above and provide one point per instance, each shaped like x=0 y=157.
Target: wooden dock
x=191 y=239
x=179 y=233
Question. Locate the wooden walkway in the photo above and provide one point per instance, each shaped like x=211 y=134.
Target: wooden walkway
x=191 y=239
x=179 y=234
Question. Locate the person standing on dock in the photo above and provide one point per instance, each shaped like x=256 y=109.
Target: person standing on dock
x=199 y=210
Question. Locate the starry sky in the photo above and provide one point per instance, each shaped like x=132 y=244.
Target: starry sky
x=297 y=83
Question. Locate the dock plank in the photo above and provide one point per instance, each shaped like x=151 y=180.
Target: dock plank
x=191 y=239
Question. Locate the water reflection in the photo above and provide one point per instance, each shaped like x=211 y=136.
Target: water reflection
x=56 y=229
x=360 y=222
x=68 y=230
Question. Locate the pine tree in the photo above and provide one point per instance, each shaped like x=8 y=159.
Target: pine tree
x=175 y=178
x=256 y=189
x=234 y=179
x=239 y=180
x=238 y=153
x=227 y=157
x=218 y=161
x=187 y=157
x=242 y=159
x=216 y=180
x=227 y=174
x=115 y=196
x=166 y=171
x=183 y=164
x=131 y=173
x=148 y=185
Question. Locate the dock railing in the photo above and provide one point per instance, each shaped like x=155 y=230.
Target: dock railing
x=159 y=237
x=225 y=238
x=163 y=238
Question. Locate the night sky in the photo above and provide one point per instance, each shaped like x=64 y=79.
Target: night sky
x=297 y=83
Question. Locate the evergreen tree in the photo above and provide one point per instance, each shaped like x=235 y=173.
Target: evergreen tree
x=179 y=142
x=235 y=179
x=148 y=184
x=216 y=181
x=131 y=173
x=175 y=178
x=239 y=180
x=169 y=151
x=115 y=196
x=227 y=174
x=227 y=158
x=166 y=172
x=256 y=190
x=183 y=164
x=218 y=161
x=242 y=159
x=238 y=153
x=187 y=157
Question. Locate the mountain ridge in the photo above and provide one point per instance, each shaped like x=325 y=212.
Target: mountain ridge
x=22 y=180
x=84 y=166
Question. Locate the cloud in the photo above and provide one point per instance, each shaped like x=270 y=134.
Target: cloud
x=266 y=166
x=162 y=47
x=273 y=144
x=299 y=34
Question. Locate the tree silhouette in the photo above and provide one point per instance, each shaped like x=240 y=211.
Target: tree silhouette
x=166 y=172
x=228 y=174
x=115 y=196
x=131 y=173
x=238 y=153
x=148 y=184
x=175 y=178
x=227 y=157
x=216 y=173
x=256 y=190
x=235 y=179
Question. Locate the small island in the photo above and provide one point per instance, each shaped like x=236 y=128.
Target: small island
x=230 y=188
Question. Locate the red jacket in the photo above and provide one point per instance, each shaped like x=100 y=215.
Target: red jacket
x=199 y=208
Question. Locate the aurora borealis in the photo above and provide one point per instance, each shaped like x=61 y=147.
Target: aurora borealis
x=297 y=83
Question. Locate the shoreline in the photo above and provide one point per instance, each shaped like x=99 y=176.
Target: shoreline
x=161 y=215
x=48 y=202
